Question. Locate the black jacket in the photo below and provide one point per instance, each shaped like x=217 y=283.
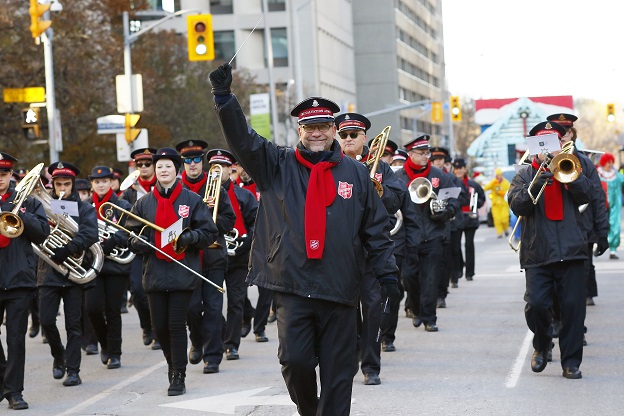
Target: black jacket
x=356 y=220
x=18 y=261
x=468 y=223
x=595 y=218
x=111 y=267
x=86 y=236
x=249 y=209
x=161 y=275
x=545 y=241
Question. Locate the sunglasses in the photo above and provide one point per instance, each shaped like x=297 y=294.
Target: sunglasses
x=353 y=135
x=323 y=128
x=189 y=160
x=144 y=164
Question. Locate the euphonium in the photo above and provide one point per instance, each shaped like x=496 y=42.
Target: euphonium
x=11 y=225
x=233 y=244
x=63 y=230
x=121 y=255
x=421 y=191
x=377 y=148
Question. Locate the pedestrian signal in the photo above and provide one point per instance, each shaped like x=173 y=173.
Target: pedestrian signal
x=200 y=37
x=31 y=124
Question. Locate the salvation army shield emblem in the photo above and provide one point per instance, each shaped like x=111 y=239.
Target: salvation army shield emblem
x=345 y=190
x=378 y=177
x=314 y=244
x=183 y=211
x=435 y=182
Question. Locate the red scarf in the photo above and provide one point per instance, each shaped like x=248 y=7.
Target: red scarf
x=320 y=194
x=414 y=171
x=240 y=221
x=553 y=198
x=195 y=187
x=165 y=216
x=466 y=208
x=147 y=185
x=4 y=241
x=97 y=202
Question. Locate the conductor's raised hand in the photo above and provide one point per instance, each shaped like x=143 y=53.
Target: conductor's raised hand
x=221 y=79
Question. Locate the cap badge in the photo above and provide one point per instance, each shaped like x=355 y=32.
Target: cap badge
x=562 y=117
x=315 y=103
x=548 y=126
x=1 y=157
x=146 y=151
x=347 y=117
x=219 y=152
x=190 y=143
x=60 y=165
x=99 y=171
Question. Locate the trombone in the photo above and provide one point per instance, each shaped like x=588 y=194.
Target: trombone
x=379 y=146
x=212 y=193
x=108 y=210
x=11 y=225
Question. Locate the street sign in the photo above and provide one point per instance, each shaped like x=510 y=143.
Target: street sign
x=111 y=124
x=123 y=94
x=124 y=149
x=24 y=95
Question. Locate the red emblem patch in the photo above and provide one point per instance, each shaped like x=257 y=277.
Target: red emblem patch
x=314 y=244
x=345 y=190
x=22 y=209
x=435 y=182
x=183 y=211
x=378 y=177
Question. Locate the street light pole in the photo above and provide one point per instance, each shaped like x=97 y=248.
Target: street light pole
x=50 y=97
x=269 y=49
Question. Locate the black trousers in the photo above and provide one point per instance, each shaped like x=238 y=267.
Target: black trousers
x=568 y=279
x=103 y=310
x=139 y=298
x=456 y=262
x=315 y=332
x=15 y=302
x=169 y=311
x=34 y=309
x=236 y=292
x=263 y=309
x=248 y=310
x=423 y=285
x=369 y=317
x=49 y=301
x=469 y=247
x=590 y=273
x=205 y=318
x=389 y=323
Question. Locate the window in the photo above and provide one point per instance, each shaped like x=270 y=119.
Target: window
x=276 y=5
x=279 y=42
x=224 y=46
x=221 y=7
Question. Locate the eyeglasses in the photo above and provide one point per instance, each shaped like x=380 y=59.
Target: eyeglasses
x=144 y=164
x=353 y=135
x=425 y=154
x=309 y=128
x=189 y=160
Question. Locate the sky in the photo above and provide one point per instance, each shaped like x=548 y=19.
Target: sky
x=508 y=48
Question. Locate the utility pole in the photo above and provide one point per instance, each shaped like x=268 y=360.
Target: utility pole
x=269 y=47
x=50 y=97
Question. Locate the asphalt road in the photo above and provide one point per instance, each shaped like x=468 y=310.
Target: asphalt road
x=477 y=364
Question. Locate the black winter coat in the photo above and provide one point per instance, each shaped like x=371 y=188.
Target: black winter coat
x=595 y=217
x=249 y=209
x=356 y=220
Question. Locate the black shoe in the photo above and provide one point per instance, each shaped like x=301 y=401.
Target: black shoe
x=17 y=402
x=416 y=322
x=538 y=361
x=409 y=313
x=469 y=278
x=72 y=379
x=211 y=368
x=91 y=349
x=231 y=354
x=58 y=368
x=147 y=337
x=589 y=302
x=123 y=309
x=572 y=373
x=371 y=379
x=44 y=339
x=33 y=332
x=454 y=285
x=387 y=346
x=156 y=345
x=104 y=357
x=113 y=362
x=176 y=385
x=195 y=355
x=245 y=329
x=261 y=337
x=613 y=256
x=431 y=328
x=272 y=317
x=441 y=303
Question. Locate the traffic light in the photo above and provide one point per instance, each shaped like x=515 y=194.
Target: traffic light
x=30 y=123
x=131 y=121
x=436 y=112
x=456 y=114
x=37 y=27
x=200 y=37
x=610 y=113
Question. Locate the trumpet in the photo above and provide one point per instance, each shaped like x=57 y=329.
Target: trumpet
x=105 y=212
x=377 y=146
x=11 y=225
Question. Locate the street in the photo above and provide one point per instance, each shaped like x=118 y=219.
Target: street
x=477 y=364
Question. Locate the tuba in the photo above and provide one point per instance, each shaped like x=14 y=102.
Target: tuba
x=63 y=230
x=377 y=148
x=121 y=255
x=11 y=225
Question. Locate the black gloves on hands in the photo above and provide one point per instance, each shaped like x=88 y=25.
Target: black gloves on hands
x=245 y=244
x=390 y=290
x=539 y=182
x=603 y=245
x=108 y=246
x=60 y=255
x=221 y=80
x=443 y=216
x=138 y=244
x=187 y=238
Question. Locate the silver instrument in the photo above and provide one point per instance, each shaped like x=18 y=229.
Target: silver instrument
x=232 y=243
x=399 y=223
x=474 y=200
x=121 y=255
x=63 y=230
x=421 y=191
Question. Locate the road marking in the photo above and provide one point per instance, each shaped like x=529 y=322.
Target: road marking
x=514 y=374
x=117 y=387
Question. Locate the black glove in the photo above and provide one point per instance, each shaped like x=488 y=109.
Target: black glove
x=60 y=255
x=187 y=238
x=539 y=182
x=138 y=244
x=443 y=216
x=108 y=246
x=245 y=244
x=603 y=245
x=390 y=290
x=221 y=80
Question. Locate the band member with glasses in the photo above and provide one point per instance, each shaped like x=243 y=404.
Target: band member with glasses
x=144 y=185
x=102 y=302
x=168 y=285
x=18 y=278
x=205 y=316
x=53 y=286
x=319 y=217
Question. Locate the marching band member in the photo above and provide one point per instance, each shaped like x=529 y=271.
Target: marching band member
x=144 y=185
x=104 y=299
x=399 y=158
x=554 y=249
x=53 y=286
x=118 y=176
x=169 y=287
x=319 y=214
x=18 y=281
x=205 y=316
x=83 y=187
x=245 y=207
